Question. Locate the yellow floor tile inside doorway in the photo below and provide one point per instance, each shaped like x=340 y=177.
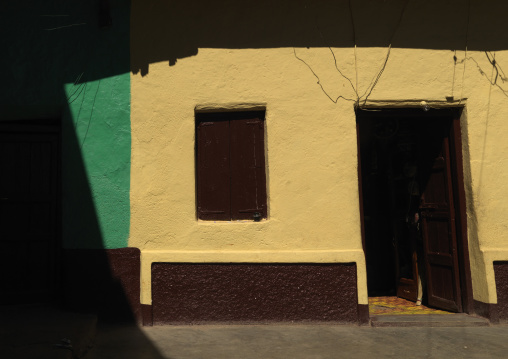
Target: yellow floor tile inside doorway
x=395 y=306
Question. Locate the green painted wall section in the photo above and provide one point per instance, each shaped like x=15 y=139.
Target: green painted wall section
x=61 y=64
x=96 y=202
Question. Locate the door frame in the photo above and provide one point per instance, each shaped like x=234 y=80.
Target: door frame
x=457 y=176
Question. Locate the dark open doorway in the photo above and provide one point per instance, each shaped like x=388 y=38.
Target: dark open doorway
x=413 y=207
x=29 y=210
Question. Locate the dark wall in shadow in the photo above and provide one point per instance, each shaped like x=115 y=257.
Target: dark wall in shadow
x=170 y=30
x=48 y=43
x=66 y=60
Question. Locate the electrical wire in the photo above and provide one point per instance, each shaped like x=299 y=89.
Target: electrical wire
x=494 y=65
x=353 y=27
x=376 y=78
x=482 y=72
x=335 y=62
x=454 y=68
x=340 y=72
x=465 y=52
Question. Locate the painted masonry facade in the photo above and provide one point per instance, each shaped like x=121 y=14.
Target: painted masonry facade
x=129 y=131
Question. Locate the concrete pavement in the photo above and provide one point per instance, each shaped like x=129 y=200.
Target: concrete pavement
x=39 y=331
x=299 y=341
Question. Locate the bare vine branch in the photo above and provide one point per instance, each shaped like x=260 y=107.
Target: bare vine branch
x=319 y=81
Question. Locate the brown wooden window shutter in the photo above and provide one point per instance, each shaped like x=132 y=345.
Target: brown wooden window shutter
x=230 y=162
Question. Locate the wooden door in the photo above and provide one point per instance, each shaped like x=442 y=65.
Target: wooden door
x=437 y=214
x=28 y=212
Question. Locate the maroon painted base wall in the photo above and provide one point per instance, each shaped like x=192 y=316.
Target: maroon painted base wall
x=486 y=310
x=199 y=293
x=363 y=314
x=501 y=275
x=105 y=281
x=147 y=316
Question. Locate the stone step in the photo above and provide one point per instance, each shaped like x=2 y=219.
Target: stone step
x=428 y=320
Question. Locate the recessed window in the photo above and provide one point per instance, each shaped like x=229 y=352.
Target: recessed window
x=230 y=166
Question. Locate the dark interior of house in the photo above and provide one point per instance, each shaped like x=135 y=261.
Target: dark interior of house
x=397 y=156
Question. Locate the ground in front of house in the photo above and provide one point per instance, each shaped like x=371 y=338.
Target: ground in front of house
x=298 y=341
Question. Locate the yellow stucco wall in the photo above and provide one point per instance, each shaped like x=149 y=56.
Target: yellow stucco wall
x=311 y=150
x=311 y=176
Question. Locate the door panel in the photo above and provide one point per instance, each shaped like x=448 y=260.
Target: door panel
x=407 y=286
x=438 y=226
x=437 y=229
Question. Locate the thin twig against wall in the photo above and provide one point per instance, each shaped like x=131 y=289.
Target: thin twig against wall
x=376 y=78
x=91 y=114
x=319 y=81
x=340 y=72
x=495 y=67
x=465 y=53
x=355 y=89
x=65 y=26
x=354 y=42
